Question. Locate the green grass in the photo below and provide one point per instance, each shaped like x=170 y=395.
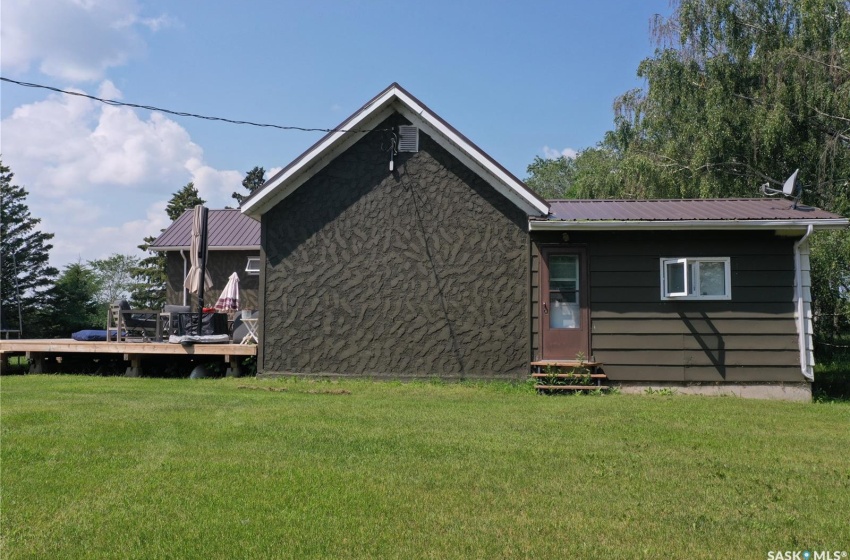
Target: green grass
x=832 y=379
x=165 y=468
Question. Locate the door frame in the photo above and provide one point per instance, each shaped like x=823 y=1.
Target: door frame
x=584 y=295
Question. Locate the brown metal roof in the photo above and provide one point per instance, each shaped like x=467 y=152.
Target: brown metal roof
x=225 y=229
x=726 y=209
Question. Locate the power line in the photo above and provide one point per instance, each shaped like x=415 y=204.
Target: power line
x=117 y=103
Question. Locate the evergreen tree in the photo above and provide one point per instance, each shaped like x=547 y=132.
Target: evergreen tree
x=25 y=274
x=72 y=305
x=148 y=289
x=253 y=180
x=184 y=199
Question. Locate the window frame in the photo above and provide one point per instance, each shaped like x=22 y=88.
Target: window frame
x=253 y=271
x=693 y=264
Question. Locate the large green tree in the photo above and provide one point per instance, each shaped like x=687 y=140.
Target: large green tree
x=551 y=177
x=149 y=276
x=25 y=274
x=740 y=93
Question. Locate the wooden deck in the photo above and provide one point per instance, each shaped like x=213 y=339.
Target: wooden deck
x=37 y=350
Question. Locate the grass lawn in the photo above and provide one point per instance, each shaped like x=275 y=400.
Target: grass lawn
x=159 y=468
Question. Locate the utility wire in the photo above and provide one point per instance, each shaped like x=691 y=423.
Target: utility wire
x=116 y=103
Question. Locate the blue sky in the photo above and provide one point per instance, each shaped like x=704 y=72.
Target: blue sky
x=518 y=79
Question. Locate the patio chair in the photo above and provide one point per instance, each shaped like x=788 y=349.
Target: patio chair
x=126 y=320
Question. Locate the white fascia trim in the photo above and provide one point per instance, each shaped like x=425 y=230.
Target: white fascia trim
x=503 y=180
x=259 y=204
x=541 y=225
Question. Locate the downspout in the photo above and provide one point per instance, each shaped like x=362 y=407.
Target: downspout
x=801 y=318
x=185 y=272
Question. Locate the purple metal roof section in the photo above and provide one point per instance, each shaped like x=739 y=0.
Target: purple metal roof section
x=726 y=209
x=225 y=228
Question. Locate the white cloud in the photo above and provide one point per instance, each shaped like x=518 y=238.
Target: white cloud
x=70 y=144
x=79 y=239
x=551 y=153
x=73 y=40
x=215 y=184
x=99 y=176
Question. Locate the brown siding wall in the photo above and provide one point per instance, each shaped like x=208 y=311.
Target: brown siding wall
x=420 y=272
x=221 y=264
x=639 y=337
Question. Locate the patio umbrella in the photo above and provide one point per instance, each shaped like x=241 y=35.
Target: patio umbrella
x=229 y=298
x=198 y=278
x=198 y=254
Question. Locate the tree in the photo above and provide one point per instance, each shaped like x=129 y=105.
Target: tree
x=72 y=304
x=184 y=199
x=831 y=290
x=25 y=275
x=115 y=278
x=551 y=178
x=149 y=276
x=740 y=93
x=253 y=180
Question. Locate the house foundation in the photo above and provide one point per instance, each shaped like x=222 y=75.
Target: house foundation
x=799 y=392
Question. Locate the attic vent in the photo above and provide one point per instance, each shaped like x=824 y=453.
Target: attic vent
x=408 y=139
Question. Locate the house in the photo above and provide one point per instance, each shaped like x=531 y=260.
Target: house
x=395 y=247
x=234 y=246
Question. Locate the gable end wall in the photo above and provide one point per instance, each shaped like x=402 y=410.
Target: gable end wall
x=422 y=272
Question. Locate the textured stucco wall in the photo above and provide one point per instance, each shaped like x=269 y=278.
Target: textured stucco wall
x=221 y=265
x=421 y=272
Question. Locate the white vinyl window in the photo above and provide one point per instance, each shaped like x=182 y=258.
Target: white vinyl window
x=253 y=266
x=696 y=278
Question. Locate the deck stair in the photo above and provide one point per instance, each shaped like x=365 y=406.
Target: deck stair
x=568 y=375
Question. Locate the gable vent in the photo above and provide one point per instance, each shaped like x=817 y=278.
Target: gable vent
x=408 y=139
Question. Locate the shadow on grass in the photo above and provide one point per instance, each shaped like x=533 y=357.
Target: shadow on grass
x=832 y=373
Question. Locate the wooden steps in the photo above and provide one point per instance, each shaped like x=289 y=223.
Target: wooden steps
x=564 y=364
x=568 y=375
x=571 y=387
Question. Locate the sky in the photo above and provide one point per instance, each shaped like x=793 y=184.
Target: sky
x=519 y=79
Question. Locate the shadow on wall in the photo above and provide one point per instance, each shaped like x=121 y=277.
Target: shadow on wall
x=708 y=337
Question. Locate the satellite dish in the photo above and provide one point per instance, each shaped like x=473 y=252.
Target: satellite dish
x=792 y=189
